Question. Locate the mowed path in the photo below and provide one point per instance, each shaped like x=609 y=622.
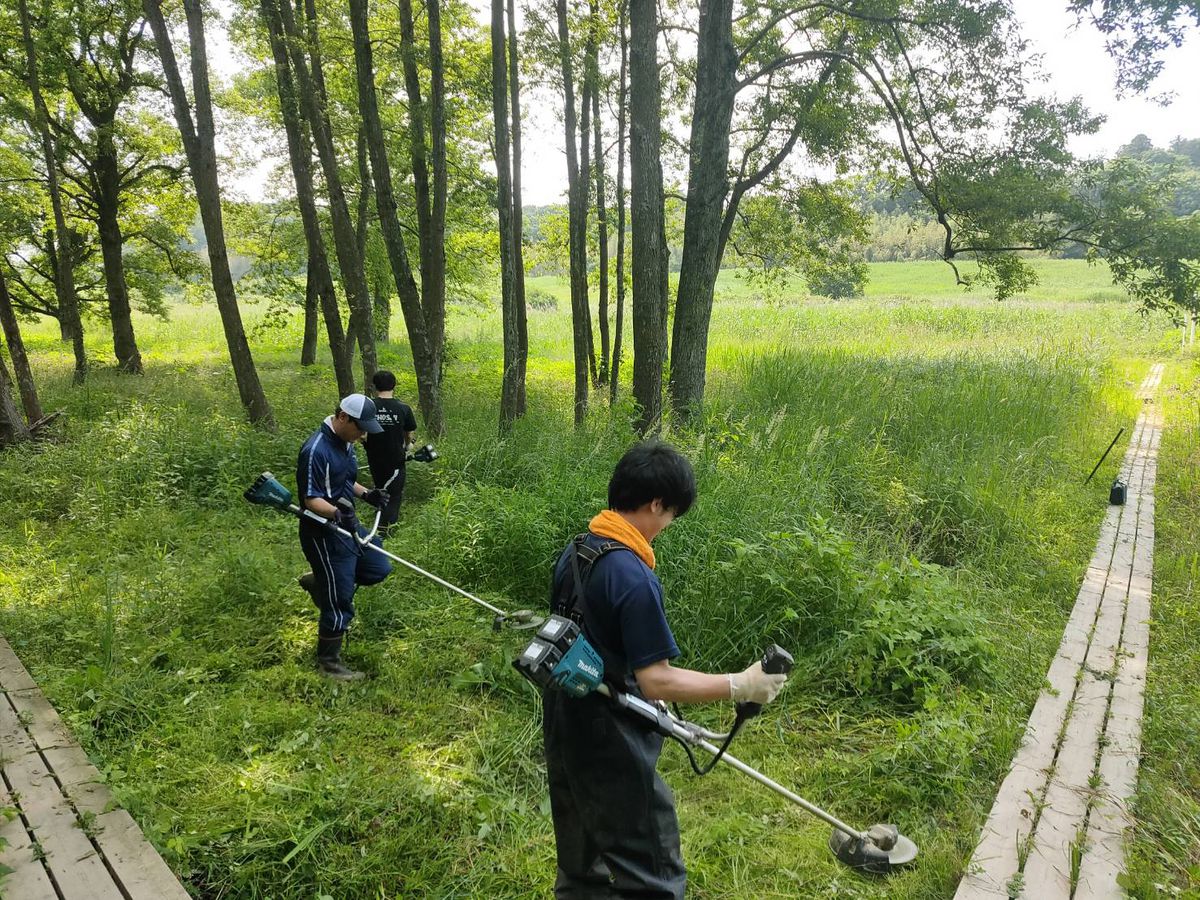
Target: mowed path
x=1057 y=829
x=63 y=835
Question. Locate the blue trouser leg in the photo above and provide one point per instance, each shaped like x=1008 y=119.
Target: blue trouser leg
x=338 y=566
x=371 y=567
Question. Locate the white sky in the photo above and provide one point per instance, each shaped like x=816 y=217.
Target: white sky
x=1074 y=58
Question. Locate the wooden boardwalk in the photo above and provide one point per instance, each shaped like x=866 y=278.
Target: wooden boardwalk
x=1057 y=829
x=66 y=838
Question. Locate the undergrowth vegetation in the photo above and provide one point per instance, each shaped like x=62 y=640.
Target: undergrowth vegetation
x=893 y=491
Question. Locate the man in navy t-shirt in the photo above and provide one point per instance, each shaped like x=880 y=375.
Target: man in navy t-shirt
x=614 y=817
x=326 y=472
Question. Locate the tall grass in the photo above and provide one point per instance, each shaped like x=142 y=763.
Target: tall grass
x=894 y=491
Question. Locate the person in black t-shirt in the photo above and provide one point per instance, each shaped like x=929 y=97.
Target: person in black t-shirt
x=615 y=829
x=386 y=452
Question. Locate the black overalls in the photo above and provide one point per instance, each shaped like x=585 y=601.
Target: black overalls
x=614 y=817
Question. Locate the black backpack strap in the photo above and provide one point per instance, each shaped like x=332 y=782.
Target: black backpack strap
x=579 y=575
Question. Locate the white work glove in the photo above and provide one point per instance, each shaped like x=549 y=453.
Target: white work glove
x=754 y=685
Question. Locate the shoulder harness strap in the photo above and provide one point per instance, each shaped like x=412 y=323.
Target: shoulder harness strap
x=580 y=574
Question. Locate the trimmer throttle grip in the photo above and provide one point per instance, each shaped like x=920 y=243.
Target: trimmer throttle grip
x=776 y=661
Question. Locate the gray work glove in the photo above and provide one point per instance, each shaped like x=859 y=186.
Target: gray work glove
x=754 y=685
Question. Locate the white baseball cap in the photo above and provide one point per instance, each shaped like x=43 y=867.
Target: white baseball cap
x=361 y=409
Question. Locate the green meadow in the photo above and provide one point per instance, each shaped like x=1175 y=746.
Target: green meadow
x=891 y=487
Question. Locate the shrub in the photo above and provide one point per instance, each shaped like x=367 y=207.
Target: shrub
x=543 y=301
x=912 y=638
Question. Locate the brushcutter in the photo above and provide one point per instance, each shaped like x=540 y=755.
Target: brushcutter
x=267 y=491
x=424 y=454
x=560 y=658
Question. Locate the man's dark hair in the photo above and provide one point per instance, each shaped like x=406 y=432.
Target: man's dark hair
x=384 y=380
x=652 y=471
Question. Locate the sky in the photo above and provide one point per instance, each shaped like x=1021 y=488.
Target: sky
x=1074 y=60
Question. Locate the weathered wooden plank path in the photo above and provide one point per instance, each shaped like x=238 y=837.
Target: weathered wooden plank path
x=66 y=837
x=1057 y=828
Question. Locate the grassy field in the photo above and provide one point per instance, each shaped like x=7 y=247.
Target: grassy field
x=892 y=488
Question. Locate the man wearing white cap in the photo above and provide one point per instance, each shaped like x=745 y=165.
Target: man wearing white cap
x=326 y=472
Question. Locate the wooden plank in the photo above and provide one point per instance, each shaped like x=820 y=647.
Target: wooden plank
x=1048 y=868
x=13 y=676
x=1109 y=818
x=995 y=860
x=141 y=871
x=76 y=867
x=28 y=880
x=40 y=719
x=14 y=742
x=80 y=780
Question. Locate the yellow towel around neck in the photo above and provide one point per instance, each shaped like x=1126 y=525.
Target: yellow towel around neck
x=609 y=524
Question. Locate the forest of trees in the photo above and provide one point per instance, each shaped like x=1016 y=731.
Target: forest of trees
x=689 y=135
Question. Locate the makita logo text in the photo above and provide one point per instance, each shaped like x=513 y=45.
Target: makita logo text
x=589 y=670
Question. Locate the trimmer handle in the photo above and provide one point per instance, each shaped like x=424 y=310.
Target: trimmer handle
x=776 y=661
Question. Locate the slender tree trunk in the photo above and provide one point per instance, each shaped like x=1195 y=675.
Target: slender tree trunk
x=518 y=219
x=312 y=311
x=429 y=171
x=199 y=142
x=622 y=108
x=708 y=186
x=300 y=155
x=13 y=429
x=428 y=373
x=64 y=276
x=313 y=102
x=585 y=189
x=381 y=304
x=601 y=210
x=434 y=293
x=649 y=226
x=20 y=359
x=416 y=139
x=504 y=208
x=577 y=222
x=112 y=246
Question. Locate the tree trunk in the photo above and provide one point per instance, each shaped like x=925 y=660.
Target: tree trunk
x=300 y=155
x=430 y=193
x=708 y=186
x=504 y=208
x=649 y=226
x=577 y=222
x=64 y=276
x=622 y=107
x=601 y=210
x=428 y=374
x=518 y=220
x=13 y=429
x=16 y=349
x=585 y=188
x=112 y=246
x=434 y=293
x=199 y=142
x=312 y=303
x=313 y=102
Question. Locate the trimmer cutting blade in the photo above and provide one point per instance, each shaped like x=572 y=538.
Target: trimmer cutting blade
x=877 y=850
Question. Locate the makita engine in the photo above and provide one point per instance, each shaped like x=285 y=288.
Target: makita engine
x=561 y=658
